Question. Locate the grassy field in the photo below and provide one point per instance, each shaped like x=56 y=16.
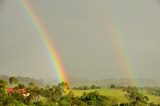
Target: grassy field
x=117 y=93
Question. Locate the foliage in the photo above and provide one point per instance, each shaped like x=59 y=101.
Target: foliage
x=86 y=87
x=62 y=95
x=95 y=99
x=13 y=80
x=112 y=86
x=135 y=97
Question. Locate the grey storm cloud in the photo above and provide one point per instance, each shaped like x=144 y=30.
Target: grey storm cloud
x=81 y=34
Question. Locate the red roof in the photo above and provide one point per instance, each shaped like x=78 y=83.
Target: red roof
x=10 y=90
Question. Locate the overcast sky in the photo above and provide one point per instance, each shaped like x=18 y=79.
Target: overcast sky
x=81 y=32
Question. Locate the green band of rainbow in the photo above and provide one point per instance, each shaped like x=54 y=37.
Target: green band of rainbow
x=44 y=36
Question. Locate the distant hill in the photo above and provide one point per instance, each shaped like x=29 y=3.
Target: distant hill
x=117 y=82
x=24 y=80
x=78 y=82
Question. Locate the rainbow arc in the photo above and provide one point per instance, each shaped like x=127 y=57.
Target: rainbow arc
x=42 y=33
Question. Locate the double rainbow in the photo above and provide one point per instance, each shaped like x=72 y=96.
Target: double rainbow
x=121 y=53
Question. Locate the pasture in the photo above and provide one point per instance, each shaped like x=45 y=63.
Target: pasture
x=117 y=94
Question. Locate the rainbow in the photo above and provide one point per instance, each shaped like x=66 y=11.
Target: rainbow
x=53 y=55
x=121 y=52
x=122 y=57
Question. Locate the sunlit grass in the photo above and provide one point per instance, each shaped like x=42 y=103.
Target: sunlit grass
x=117 y=94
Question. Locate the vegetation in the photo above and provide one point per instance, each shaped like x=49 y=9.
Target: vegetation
x=17 y=94
x=86 y=87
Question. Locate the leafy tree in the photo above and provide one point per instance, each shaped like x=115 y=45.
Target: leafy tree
x=34 y=94
x=124 y=104
x=3 y=85
x=112 y=86
x=14 y=99
x=62 y=89
x=32 y=85
x=93 y=87
x=85 y=88
x=94 y=99
x=39 y=103
x=135 y=97
x=64 y=102
x=18 y=97
x=13 y=81
x=20 y=86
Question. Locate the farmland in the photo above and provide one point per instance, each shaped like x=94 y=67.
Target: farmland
x=117 y=93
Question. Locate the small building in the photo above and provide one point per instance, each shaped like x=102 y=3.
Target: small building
x=21 y=91
x=10 y=90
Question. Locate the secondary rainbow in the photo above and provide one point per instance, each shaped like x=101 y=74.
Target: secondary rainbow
x=121 y=51
x=42 y=33
x=122 y=56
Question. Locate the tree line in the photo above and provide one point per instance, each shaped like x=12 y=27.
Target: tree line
x=17 y=94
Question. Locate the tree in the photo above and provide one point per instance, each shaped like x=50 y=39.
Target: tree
x=3 y=85
x=95 y=99
x=135 y=97
x=34 y=93
x=20 y=86
x=112 y=86
x=13 y=81
x=32 y=85
x=85 y=88
x=93 y=87
x=64 y=102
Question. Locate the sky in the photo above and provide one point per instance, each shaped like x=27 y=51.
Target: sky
x=82 y=32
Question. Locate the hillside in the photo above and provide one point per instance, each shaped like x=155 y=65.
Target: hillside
x=78 y=82
x=117 y=82
x=24 y=80
x=117 y=94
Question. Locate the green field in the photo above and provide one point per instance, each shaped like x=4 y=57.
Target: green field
x=118 y=94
